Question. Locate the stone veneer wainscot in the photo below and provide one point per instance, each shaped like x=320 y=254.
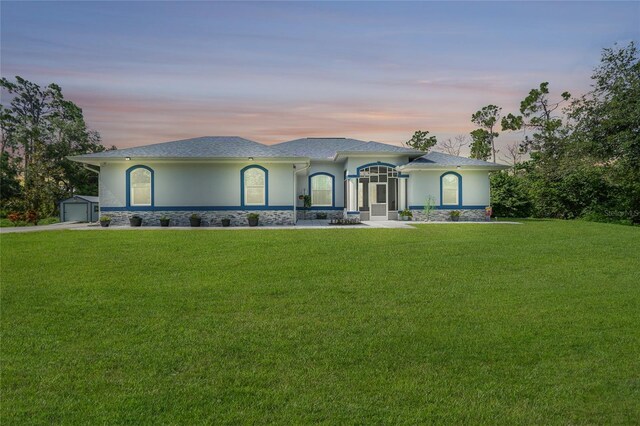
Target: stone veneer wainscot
x=209 y=218
x=442 y=215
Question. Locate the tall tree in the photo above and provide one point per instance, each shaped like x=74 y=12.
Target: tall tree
x=42 y=128
x=538 y=115
x=487 y=118
x=9 y=180
x=607 y=125
x=422 y=141
x=480 y=144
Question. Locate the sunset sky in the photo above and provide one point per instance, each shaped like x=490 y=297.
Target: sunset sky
x=157 y=71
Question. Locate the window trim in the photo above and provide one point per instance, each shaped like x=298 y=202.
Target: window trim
x=243 y=202
x=333 y=189
x=459 y=204
x=128 y=187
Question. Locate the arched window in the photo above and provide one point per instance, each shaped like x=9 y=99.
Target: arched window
x=321 y=185
x=450 y=189
x=140 y=186
x=254 y=182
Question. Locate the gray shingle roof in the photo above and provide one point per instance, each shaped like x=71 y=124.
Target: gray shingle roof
x=327 y=148
x=439 y=159
x=203 y=147
x=89 y=198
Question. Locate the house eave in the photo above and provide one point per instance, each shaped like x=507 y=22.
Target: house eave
x=439 y=167
x=97 y=160
x=367 y=154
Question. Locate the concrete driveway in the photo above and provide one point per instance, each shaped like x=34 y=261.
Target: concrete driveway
x=52 y=227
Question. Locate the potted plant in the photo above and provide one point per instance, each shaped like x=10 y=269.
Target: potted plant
x=406 y=214
x=253 y=219
x=226 y=222
x=488 y=212
x=195 y=220
x=307 y=204
x=105 y=221
x=135 y=220
x=455 y=215
x=164 y=221
x=321 y=215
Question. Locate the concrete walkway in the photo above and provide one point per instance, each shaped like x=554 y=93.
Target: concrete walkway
x=52 y=227
x=302 y=224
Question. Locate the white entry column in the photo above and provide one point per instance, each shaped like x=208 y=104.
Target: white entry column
x=352 y=195
x=402 y=194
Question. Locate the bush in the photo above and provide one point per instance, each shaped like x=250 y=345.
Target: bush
x=509 y=195
x=6 y=223
x=48 y=221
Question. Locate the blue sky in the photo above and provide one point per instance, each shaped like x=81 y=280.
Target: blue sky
x=154 y=71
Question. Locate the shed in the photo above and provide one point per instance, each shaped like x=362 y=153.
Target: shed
x=80 y=208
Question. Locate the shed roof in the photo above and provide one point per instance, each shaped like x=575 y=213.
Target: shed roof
x=89 y=198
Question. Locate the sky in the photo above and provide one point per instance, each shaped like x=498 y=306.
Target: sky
x=148 y=72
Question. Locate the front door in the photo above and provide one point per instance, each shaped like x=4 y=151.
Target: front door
x=378 y=201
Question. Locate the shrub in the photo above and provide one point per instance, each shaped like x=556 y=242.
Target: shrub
x=6 y=223
x=406 y=213
x=15 y=217
x=509 y=195
x=105 y=219
x=48 y=220
x=253 y=216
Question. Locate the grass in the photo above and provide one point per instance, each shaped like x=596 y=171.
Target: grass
x=530 y=324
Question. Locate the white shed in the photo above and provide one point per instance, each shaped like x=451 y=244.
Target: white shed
x=80 y=208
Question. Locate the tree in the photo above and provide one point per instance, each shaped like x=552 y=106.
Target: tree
x=513 y=155
x=538 y=115
x=455 y=145
x=607 y=125
x=421 y=141
x=42 y=128
x=9 y=181
x=486 y=118
x=480 y=145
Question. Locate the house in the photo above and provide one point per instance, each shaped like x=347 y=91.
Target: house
x=227 y=177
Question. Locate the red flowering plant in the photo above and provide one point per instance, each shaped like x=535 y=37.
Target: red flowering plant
x=15 y=217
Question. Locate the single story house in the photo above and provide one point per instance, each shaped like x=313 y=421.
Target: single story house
x=80 y=208
x=220 y=177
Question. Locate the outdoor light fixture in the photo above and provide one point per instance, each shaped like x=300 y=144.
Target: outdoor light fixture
x=458 y=167
x=250 y=158
x=127 y=158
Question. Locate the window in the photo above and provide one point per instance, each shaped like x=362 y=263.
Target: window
x=450 y=183
x=140 y=193
x=321 y=190
x=255 y=185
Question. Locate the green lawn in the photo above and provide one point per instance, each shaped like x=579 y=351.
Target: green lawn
x=530 y=324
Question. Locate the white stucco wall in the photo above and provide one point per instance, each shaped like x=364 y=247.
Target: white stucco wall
x=336 y=169
x=475 y=187
x=195 y=184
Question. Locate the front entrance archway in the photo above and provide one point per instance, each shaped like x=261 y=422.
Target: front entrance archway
x=378 y=192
